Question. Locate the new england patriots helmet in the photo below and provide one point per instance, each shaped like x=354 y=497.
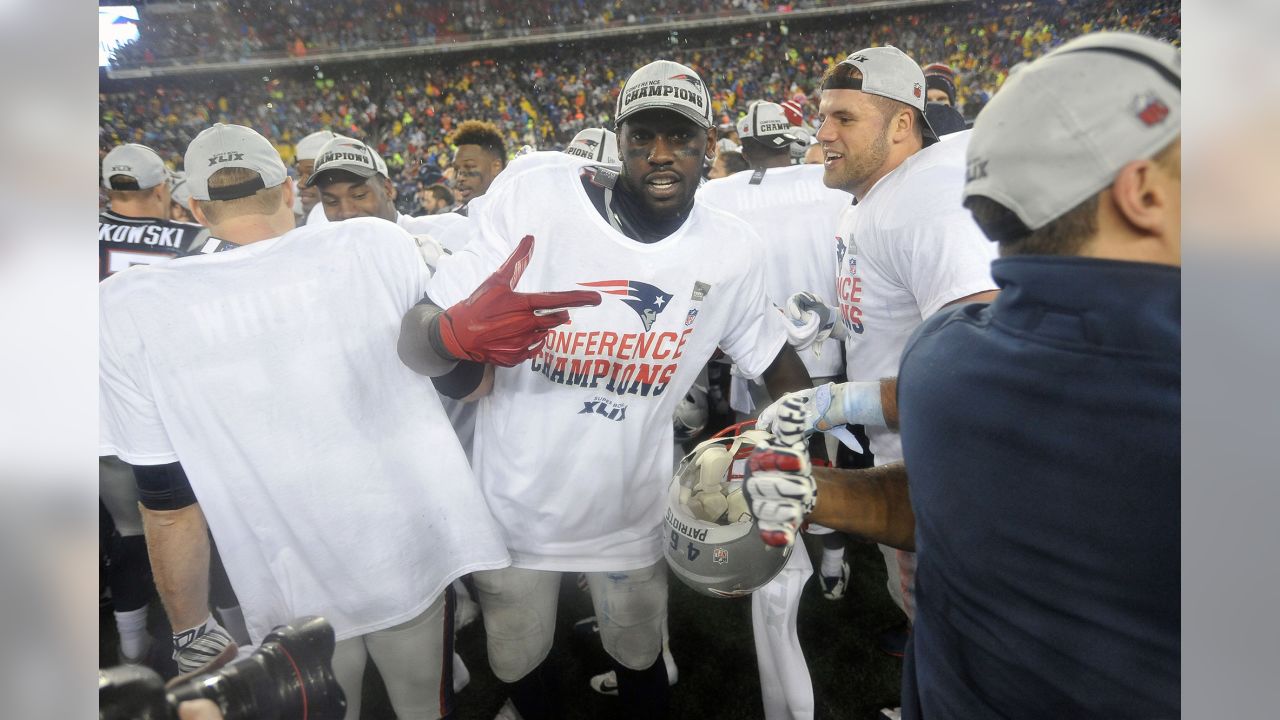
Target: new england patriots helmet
x=711 y=540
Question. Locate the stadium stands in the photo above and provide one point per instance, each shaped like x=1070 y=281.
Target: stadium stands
x=542 y=96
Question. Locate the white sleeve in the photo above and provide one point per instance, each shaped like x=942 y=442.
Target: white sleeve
x=943 y=258
x=754 y=337
x=128 y=419
x=489 y=245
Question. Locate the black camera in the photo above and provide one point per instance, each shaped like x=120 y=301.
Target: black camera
x=289 y=677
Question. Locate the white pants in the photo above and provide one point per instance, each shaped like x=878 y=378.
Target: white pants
x=414 y=658
x=519 y=610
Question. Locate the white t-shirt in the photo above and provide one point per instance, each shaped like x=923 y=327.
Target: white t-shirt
x=795 y=216
x=327 y=470
x=573 y=448
x=904 y=251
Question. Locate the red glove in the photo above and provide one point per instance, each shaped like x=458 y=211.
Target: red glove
x=500 y=326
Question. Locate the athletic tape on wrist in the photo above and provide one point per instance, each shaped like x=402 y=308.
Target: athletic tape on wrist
x=861 y=404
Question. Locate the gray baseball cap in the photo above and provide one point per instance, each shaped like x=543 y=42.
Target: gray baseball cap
x=348 y=155
x=665 y=85
x=596 y=144
x=1060 y=130
x=767 y=123
x=138 y=162
x=308 y=148
x=889 y=72
x=231 y=146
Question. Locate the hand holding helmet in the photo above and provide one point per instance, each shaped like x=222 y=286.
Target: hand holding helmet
x=779 y=486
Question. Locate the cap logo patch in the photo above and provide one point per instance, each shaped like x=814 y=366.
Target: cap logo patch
x=976 y=171
x=916 y=90
x=687 y=78
x=1150 y=109
x=343 y=155
x=858 y=58
x=124 y=168
x=225 y=157
x=656 y=88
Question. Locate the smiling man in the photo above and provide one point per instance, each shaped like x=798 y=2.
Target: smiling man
x=574 y=444
x=906 y=249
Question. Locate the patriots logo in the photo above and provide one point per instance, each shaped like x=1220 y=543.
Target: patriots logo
x=589 y=142
x=840 y=248
x=687 y=78
x=644 y=298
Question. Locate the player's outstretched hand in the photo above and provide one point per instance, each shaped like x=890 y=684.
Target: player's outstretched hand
x=501 y=326
x=779 y=485
x=812 y=321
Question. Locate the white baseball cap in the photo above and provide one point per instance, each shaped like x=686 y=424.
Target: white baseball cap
x=308 y=148
x=665 y=85
x=1060 y=130
x=231 y=146
x=767 y=123
x=596 y=144
x=178 y=190
x=134 y=161
x=889 y=72
x=347 y=155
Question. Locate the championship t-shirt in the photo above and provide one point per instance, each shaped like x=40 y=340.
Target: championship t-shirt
x=574 y=447
x=125 y=241
x=903 y=252
x=795 y=216
x=329 y=475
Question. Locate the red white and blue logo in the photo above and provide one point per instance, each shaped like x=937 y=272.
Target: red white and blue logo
x=647 y=300
x=693 y=315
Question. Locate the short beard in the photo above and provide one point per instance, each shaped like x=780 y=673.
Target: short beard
x=864 y=165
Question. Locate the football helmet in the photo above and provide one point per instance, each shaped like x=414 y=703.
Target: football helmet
x=711 y=540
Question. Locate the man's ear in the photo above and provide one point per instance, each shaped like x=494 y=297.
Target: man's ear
x=196 y=212
x=1142 y=197
x=290 y=189
x=389 y=187
x=711 y=144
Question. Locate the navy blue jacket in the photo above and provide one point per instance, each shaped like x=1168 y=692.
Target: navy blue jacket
x=1041 y=437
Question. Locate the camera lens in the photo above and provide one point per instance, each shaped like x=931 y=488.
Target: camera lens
x=287 y=678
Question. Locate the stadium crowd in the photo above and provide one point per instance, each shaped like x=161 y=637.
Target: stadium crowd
x=544 y=99
x=241 y=29
x=388 y=157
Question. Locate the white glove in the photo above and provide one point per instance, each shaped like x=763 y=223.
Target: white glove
x=430 y=249
x=813 y=321
x=779 y=485
x=830 y=406
x=820 y=410
x=203 y=648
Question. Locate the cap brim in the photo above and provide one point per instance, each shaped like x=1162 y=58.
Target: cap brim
x=698 y=118
x=359 y=171
x=772 y=142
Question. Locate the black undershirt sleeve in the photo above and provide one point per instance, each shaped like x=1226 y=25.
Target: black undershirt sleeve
x=163 y=487
x=464 y=378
